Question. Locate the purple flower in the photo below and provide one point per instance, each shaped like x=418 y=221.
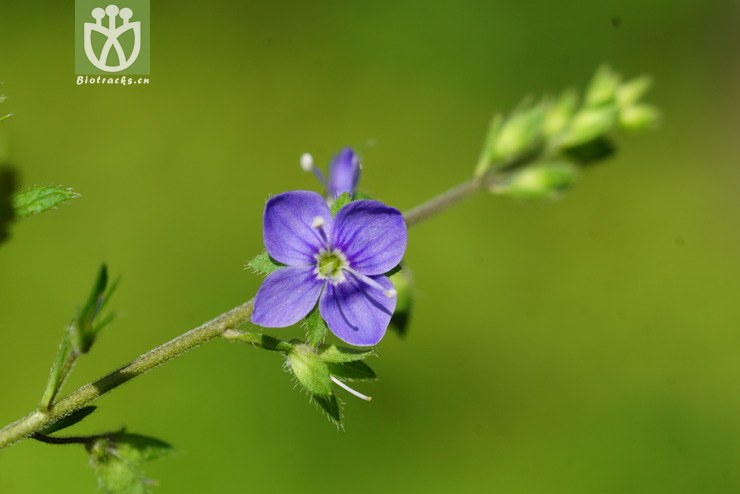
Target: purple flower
x=339 y=262
x=344 y=172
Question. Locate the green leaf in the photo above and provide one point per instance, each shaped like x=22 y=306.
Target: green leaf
x=357 y=370
x=87 y=325
x=403 y=283
x=339 y=354
x=316 y=328
x=60 y=369
x=363 y=195
x=330 y=405
x=7 y=187
x=139 y=448
x=259 y=340
x=394 y=270
x=39 y=199
x=339 y=203
x=117 y=461
x=68 y=421
x=264 y=264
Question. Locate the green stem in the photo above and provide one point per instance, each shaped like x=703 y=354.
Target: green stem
x=90 y=392
x=220 y=326
x=443 y=201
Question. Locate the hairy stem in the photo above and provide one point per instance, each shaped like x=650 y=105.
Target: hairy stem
x=443 y=201
x=91 y=392
x=219 y=326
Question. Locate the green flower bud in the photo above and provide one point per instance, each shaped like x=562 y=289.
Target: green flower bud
x=310 y=370
x=484 y=163
x=639 y=117
x=521 y=132
x=589 y=124
x=603 y=87
x=559 y=113
x=630 y=92
x=538 y=181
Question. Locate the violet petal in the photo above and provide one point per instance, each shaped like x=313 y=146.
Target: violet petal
x=287 y=231
x=372 y=235
x=356 y=313
x=344 y=173
x=286 y=296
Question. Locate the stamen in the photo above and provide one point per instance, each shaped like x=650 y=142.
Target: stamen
x=350 y=390
x=318 y=224
x=371 y=282
x=307 y=165
x=307 y=162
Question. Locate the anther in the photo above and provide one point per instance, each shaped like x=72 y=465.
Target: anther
x=307 y=166
x=318 y=224
x=347 y=388
x=307 y=162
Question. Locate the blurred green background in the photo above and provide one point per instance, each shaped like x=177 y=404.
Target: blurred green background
x=581 y=346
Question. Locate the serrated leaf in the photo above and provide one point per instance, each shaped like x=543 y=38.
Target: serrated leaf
x=7 y=187
x=117 y=461
x=330 y=405
x=339 y=203
x=316 y=328
x=139 y=448
x=263 y=263
x=68 y=421
x=356 y=370
x=39 y=199
x=339 y=354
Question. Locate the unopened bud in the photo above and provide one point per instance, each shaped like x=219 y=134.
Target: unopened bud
x=310 y=370
x=539 y=181
x=630 y=92
x=603 y=87
x=639 y=117
x=589 y=124
x=521 y=132
x=559 y=113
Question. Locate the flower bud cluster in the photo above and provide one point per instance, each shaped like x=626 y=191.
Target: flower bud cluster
x=535 y=152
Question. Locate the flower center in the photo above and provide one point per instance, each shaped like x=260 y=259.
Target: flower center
x=329 y=264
